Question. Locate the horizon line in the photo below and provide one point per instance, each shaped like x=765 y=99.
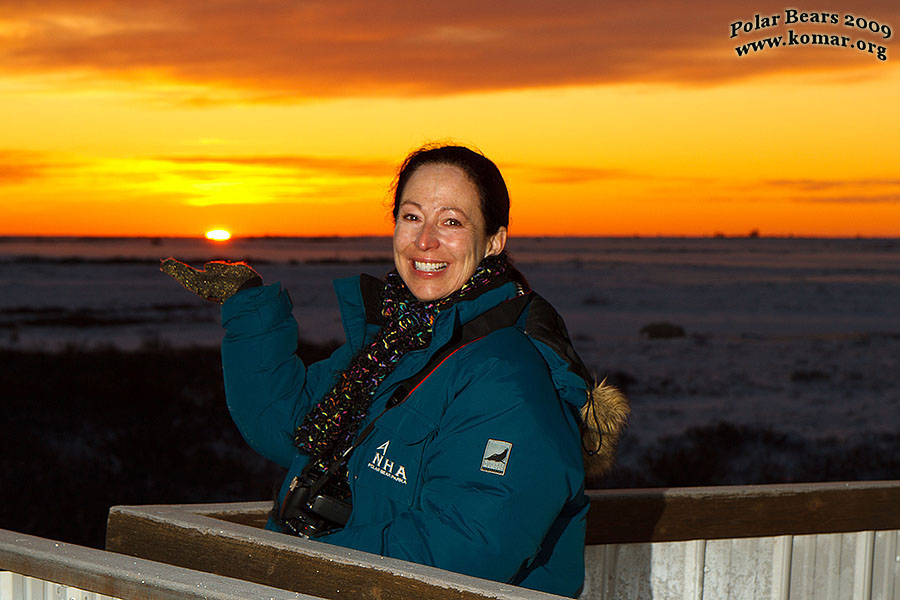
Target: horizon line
x=717 y=235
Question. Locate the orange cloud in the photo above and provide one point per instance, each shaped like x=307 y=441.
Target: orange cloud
x=273 y=50
x=21 y=166
x=571 y=175
x=348 y=167
x=853 y=191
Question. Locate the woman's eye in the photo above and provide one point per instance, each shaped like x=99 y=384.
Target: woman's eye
x=453 y=223
x=409 y=217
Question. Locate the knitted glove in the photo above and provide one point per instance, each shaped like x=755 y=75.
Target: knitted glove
x=217 y=282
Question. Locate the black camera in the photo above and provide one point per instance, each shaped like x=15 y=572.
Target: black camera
x=308 y=511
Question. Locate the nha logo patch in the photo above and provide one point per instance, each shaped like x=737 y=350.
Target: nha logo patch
x=381 y=464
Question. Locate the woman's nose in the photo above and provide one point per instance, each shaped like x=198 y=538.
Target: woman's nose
x=427 y=238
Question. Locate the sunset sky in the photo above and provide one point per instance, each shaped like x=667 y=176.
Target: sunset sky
x=172 y=117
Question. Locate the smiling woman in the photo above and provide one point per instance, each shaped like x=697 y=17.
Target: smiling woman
x=417 y=438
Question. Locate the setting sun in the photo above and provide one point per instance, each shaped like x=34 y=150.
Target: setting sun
x=219 y=235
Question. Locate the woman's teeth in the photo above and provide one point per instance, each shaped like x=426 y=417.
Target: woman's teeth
x=429 y=267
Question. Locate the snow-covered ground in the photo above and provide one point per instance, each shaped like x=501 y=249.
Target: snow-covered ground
x=795 y=335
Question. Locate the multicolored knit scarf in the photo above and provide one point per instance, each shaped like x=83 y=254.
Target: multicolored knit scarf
x=330 y=427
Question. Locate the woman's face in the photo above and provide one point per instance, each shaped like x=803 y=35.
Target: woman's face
x=439 y=236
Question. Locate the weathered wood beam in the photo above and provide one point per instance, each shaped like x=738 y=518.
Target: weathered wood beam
x=122 y=576
x=679 y=514
x=190 y=537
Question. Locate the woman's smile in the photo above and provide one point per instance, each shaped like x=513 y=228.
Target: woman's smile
x=429 y=267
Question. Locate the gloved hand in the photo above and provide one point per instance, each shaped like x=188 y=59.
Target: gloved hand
x=217 y=282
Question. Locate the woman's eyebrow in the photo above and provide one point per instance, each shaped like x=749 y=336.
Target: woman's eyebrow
x=455 y=209
x=440 y=209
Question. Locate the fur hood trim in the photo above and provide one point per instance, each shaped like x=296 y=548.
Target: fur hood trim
x=605 y=413
x=603 y=418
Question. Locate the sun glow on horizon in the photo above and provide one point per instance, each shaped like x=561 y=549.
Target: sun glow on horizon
x=218 y=235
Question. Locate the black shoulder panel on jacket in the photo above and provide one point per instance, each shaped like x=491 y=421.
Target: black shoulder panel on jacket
x=371 y=289
x=544 y=323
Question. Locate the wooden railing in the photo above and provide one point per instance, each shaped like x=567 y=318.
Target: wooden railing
x=226 y=539
x=649 y=543
x=94 y=571
x=677 y=514
x=823 y=540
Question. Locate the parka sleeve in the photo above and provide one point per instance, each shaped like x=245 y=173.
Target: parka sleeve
x=476 y=520
x=267 y=387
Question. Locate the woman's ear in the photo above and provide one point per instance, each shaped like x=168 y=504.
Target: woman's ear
x=496 y=243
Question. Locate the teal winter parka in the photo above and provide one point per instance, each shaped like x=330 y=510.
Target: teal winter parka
x=479 y=471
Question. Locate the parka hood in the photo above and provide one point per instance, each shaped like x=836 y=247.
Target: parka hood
x=604 y=409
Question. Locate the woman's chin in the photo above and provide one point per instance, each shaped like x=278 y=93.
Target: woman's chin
x=429 y=288
x=428 y=293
